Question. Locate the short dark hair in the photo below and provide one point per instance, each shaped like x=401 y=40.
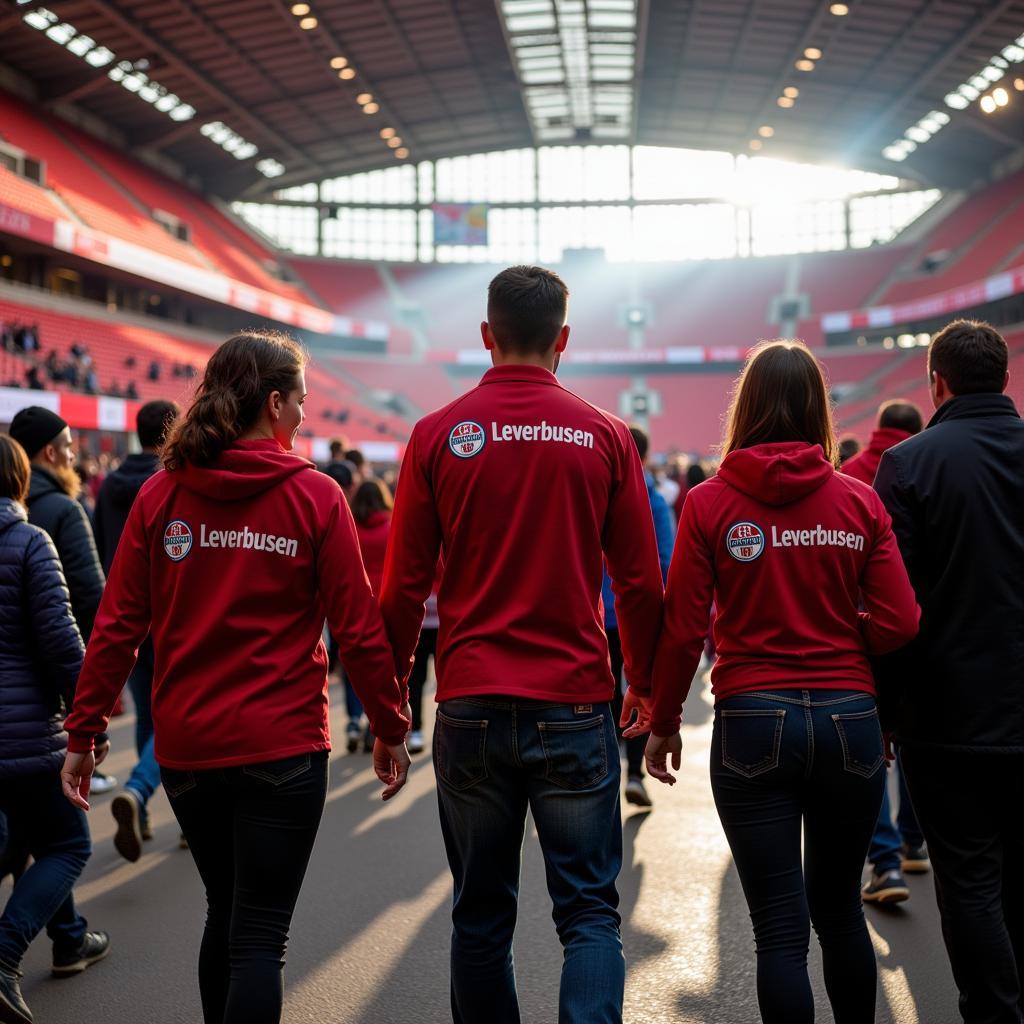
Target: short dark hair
x=901 y=415
x=356 y=457
x=848 y=447
x=526 y=308
x=338 y=446
x=152 y=421
x=971 y=357
x=641 y=440
x=15 y=471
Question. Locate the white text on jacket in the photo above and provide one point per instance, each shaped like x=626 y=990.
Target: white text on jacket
x=542 y=431
x=247 y=539
x=817 y=537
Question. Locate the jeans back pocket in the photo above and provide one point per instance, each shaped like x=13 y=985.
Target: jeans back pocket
x=575 y=753
x=176 y=782
x=860 y=735
x=751 y=740
x=277 y=773
x=460 y=750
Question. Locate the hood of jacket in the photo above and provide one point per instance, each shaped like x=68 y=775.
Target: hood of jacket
x=241 y=472
x=884 y=438
x=10 y=513
x=126 y=481
x=777 y=474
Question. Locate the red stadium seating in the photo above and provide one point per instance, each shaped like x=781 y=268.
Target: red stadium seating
x=29 y=197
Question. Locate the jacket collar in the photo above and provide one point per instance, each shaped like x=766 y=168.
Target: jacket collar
x=10 y=513
x=965 y=407
x=519 y=372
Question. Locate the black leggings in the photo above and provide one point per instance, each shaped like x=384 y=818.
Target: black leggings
x=250 y=831
x=425 y=650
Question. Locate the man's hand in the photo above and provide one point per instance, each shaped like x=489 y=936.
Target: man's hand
x=642 y=706
x=391 y=763
x=76 y=776
x=656 y=755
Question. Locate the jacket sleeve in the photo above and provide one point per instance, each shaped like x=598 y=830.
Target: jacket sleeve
x=410 y=566
x=688 y=598
x=664 y=531
x=899 y=505
x=82 y=567
x=631 y=551
x=122 y=623
x=57 y=643
x=354 y=620
x=891 y=613
x=99 y=530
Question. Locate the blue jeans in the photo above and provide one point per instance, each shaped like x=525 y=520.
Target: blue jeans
x=785 y=762
x=57 y=836
x=145 y=776
x=885 y=852
x=495 y=758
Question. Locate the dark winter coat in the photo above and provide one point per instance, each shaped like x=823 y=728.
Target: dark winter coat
x=956 y=496
x=115 y=499
x=40 y=648
x=53 y=510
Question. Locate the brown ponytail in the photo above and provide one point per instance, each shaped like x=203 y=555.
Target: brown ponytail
x=239 y=378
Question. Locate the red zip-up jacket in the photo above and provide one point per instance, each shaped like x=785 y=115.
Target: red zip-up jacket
x=373 y=543
x=787 y=548
x=864 y=465
x=525 y=485
x=234 y=568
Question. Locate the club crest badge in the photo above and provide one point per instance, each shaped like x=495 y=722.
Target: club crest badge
x=745 y=541
x=177 y=539
x=466 y=439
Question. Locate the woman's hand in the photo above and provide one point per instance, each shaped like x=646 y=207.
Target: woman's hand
x=391 y=765
x=642 y=706
x=76 y=776
x=656 y=755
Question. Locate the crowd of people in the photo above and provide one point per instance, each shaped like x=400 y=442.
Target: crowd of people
x=861 y=615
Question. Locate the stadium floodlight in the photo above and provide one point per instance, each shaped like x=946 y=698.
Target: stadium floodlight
x=61 y=33
x=839 y=10
x=1018 y=84
x=906 y=341
x=1001 y=96
x=766 y=131
x=993 y=73
x=988 y=104
x=894 y=153
x=924 y=339
x=394 y=142
x=41 y=18
x=791 y=92
x=804 y=65
x=370 y=108
x=363 y=98
x=347 y=74
x=81 y=45
x=969 y=92
x=166 y=102
x=401 y=153
x=270 y=168
x=956 y=101
x=918 y=134
x=387 y=133
x=99 y=57
x=300 y=9
x=812 y=53
x=339 y=62
x=182 y=112
x=308 y=23
x=785 y=102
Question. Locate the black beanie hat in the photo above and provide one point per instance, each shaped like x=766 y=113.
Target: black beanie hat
x=35 y=427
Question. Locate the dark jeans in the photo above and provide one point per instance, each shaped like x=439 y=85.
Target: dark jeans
x=425 y=650
x=970 y=807
x=57 y=836
x=635 y=746
x=787 y=760
x=250 y=831
x=885 y=851
x=496 y=758
x=140 y=683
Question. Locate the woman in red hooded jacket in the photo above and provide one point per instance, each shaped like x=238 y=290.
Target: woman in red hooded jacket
x=788 y=549
x=230 y=559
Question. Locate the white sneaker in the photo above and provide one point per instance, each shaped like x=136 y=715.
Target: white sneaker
x=102 y=783
x=636 y=792
x=415 y=742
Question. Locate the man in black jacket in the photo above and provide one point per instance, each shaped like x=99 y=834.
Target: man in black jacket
x=113 y=504
x=956 y=694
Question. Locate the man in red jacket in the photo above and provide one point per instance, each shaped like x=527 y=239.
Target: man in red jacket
x=526 y=487
x=897 y=420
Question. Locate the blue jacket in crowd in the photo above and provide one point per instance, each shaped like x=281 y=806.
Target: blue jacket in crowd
x=41 y=649
x=664 y=531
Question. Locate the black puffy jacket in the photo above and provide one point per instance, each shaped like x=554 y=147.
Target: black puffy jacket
x=956 y=496
x=114 y=502
x=51 y=509
x=40 y=648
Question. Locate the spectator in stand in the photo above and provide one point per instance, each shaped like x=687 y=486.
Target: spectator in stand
x=92 y=384
x=898 y=419
x=849 y=446
x=896 y=846
x=116 y=496
x=54 y=370
x=361 y=469
x=955 y=698
x=154 y=370
x=526 y=486
x=785 y=545
x=40 y=657
x=694 y=475
x=53 y=506
x=33 y=380
x=114 y=391
x=664 y=531
x=131 y=391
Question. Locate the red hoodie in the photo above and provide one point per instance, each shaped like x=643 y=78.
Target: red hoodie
x=864 y=465
x=373 y=542
x=525 y=485
x=787 y=548
x=233 y=568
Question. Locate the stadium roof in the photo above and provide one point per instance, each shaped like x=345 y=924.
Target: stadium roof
x=462 y=76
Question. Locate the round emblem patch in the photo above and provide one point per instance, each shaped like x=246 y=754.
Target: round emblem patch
x=745 y=541
x=466 y=439
x=177 y=539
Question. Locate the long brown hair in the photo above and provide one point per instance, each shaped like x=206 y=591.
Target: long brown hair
x=780 y=396
x=15 y=471
x=372 y=496
x=239 y=378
